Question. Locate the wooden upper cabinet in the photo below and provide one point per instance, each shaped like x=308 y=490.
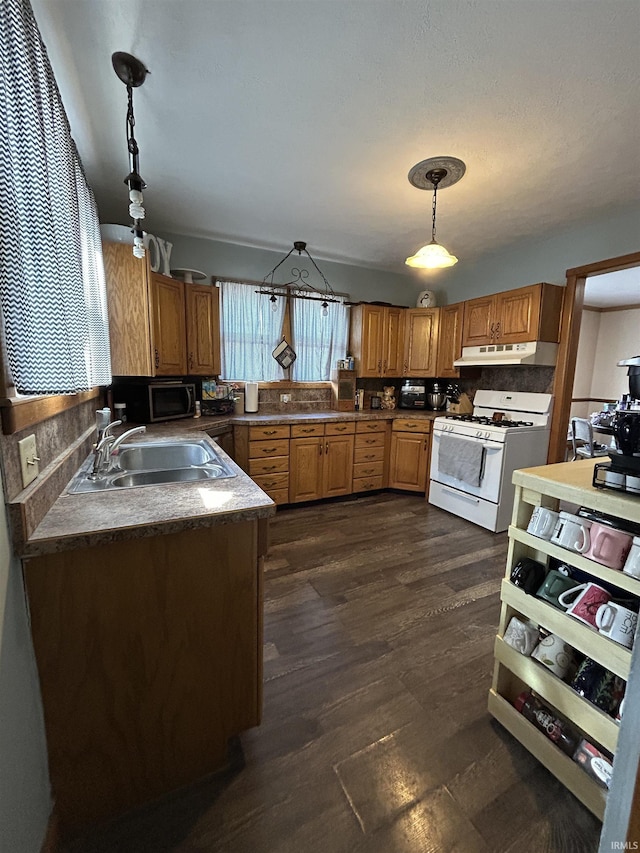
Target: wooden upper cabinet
x=129 y=309
x=377 y=340
x=421 y=341
x=203 y=329
x=514 y=316
x=479 y=321
x=168 y=313
x=393 y=341
x=449 y=340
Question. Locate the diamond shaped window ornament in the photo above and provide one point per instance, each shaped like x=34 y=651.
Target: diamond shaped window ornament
x=284 y=354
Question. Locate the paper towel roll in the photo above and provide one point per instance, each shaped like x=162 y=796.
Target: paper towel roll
x=251 y=396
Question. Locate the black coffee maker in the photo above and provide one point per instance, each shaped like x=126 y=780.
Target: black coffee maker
x=622 y=473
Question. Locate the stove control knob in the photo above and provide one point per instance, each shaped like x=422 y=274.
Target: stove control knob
x=487 y=435
x=478 y=434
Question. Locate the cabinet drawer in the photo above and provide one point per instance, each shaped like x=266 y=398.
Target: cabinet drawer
x=258 y=449
x=408 y=425
x=376 y=439
x=269 y=482
x=268 y=432
x=368 y=469
x=368 y=454
x=367 y=484
x=278 y=496
x=371 y=426
x=269 y=465
x=340 y=429
x=303 y=430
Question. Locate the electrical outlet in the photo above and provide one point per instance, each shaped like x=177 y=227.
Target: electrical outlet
x=28 y=459
x=285 y=398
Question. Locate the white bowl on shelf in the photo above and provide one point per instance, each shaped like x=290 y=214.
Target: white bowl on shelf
x=117 y=233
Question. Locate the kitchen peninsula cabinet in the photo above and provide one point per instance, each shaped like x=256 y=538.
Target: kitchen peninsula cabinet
x=263 y=452
x=515 y=673
x=514 y=316
x=158 y=326
x=421 y=341
x=410 y=454
x=149 y=654
x=321 y=462
x=449 y=340
x=377 y=340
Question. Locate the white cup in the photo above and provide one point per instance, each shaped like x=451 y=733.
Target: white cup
x=543 y=522
x=555 y=654
x=572 y=532
x=632 y=564
x=521 y=635
x=617 y=622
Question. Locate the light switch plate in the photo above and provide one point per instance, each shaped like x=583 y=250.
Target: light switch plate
x=28 y=460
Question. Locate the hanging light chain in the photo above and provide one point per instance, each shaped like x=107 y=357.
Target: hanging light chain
x=433 y=211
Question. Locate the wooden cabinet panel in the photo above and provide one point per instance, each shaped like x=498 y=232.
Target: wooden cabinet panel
x=409 y=425
x=337 y=473
x=203 y=329
x=303 y=430
x=269 y=432
x=340 y=429
x=371 y=335
x=421 y=338
x=376 y=439
x=168 y=314
x=277 y=447
x=518 y=313
x=268 y=465
x=273 y=482
x=393 y=342
x=479 y=317
x=368 y=454
x=371 y=426
x=449 y=340
x=408 y=465
x=368 y=484
x=305 y=460
x=368 y=469
x=128 y=305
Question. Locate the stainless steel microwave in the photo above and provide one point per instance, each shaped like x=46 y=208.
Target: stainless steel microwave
x=150 y=402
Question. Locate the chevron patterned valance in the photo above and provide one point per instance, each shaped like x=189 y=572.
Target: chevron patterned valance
x=52 y=289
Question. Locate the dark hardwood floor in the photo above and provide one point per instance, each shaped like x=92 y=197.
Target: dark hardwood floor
x=380 y=614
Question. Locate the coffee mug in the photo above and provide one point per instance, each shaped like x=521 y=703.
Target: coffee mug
x=555 y=654
x=609 y=546
x=555 y=583
x=582 y=602
x=572 y=532
x=521 y=635
x=542 y=522
x=527 y=574
x=632 y=563
x=617 y=622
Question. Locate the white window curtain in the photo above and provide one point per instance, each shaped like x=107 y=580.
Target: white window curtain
x=52 y=288
x=319 y=341
x=251 y=330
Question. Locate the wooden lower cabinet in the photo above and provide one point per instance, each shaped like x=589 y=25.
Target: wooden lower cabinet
x=409 y=457
x=321 y=467
x=263 y=452
x=149 y=654
x=371 y=456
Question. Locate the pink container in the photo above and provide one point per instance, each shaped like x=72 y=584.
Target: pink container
x=608 y=545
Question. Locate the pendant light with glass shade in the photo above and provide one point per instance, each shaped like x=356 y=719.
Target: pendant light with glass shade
x=433 y=174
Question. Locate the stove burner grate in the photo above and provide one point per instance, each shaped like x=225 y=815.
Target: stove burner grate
x=486 y=421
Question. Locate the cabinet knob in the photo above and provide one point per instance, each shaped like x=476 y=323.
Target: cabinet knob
x=157 y=357
x=320 y=448
x=190 y=360
x=380 y=366
x=326 y=447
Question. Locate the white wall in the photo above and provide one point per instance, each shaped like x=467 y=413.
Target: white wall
x=618 y=338
x=587 y=344
x=25 y=800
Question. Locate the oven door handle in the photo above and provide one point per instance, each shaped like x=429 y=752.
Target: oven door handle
x=483 y=462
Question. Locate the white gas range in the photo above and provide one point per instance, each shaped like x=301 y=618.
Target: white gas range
x=473 y=457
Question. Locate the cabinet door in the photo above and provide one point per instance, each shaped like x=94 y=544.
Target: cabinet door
x=393 y=342
x=421 y=336
x=337 y=474
x=203 y=329
x=169 y=328
x=449 y=340
x=127 y=280
x=479 y=318
x=305 y=468
x=518 y=315
x=409 y=461
x=372 y=340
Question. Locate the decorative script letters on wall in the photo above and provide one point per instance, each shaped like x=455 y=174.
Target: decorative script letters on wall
x=159 y=254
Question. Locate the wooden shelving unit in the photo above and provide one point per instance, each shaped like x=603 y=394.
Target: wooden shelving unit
x=513 y=672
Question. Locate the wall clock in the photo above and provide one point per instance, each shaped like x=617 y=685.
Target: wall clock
x=426 y=299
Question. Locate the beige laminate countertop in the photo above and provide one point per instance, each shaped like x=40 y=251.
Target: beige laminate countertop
x=89 y=519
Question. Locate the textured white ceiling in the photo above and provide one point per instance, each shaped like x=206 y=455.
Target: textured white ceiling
x=266 y=121
x=613 y=290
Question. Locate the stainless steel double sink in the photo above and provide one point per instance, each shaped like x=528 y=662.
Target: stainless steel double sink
x=152 y=464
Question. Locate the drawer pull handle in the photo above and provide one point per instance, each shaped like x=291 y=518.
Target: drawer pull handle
x=270 y=468
x=411 y=426
x=320 y=448
x=270 y=431
x=370 y=456
x=326 y=447
x=269 y=449
x=340 y=428
x=368 y=471
x=308 y=429
x=370 y=441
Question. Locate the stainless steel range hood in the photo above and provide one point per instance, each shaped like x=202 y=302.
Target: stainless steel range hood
x=496 y=355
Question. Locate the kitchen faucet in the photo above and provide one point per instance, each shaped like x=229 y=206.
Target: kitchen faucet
x=106 y=447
